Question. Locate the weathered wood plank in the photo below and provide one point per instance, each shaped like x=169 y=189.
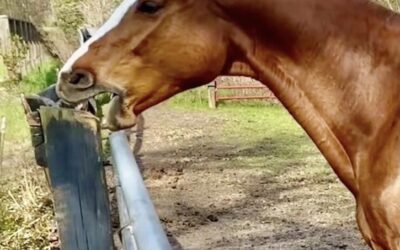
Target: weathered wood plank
x=73 y=151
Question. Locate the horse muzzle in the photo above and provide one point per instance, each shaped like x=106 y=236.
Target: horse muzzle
x=76 y=86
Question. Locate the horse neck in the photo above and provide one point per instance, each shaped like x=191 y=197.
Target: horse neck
x=317 y=57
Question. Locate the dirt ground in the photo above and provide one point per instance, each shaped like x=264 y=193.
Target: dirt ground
x=207 y=200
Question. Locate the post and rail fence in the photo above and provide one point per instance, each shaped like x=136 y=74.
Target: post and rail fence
x=215 y=88
x=67 y=142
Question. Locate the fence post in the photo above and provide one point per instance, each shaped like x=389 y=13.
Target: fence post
x=212 y=100
x=73 y=150
x=2 y=139
x=5 y=39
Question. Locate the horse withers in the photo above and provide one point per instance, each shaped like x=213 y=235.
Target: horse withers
x=335 y=65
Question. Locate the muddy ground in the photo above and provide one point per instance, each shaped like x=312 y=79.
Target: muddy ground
x=208 y=198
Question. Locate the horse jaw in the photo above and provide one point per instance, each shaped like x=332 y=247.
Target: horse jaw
x=120 y=115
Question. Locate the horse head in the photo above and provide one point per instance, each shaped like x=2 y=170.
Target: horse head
x=148 y=51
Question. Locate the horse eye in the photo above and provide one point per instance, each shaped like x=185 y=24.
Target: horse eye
x=149 y=7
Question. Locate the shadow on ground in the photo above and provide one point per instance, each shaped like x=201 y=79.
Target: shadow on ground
x=214 y=193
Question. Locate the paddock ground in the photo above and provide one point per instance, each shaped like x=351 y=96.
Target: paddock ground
x=240 y=177
x=243 y=178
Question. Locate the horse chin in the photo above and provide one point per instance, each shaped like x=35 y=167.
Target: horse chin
x=119 y=117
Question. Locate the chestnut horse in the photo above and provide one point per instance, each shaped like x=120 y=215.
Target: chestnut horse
x=334 y=64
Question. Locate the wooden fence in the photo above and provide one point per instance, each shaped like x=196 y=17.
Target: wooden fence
x=73 y=152
x=237 y=89
x=68 y=143
x=37 y=52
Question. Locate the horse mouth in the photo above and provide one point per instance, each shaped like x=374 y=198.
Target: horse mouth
x=72 y=96
x=120 y=116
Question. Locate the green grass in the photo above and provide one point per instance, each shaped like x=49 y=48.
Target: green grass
x=267 y=135
x=41 y=77
x=270 y=120
x=2 y=71
x=17 y=129
x=26 y=210
x=10 y=106
x=195 y=98
x=25 y=205
x=271 y=130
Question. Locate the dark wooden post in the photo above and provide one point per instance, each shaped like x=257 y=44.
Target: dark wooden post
x=73 y=151
x=212 y=100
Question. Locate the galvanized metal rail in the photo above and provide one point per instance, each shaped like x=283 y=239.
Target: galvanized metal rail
x=140 y=226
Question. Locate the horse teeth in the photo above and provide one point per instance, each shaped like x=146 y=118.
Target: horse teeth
x=79 y=107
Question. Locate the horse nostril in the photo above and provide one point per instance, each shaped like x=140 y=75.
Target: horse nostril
x=80 y=79
x=76 y=78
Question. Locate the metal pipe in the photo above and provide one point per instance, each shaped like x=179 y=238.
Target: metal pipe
x=144 y=221
x=128 y=239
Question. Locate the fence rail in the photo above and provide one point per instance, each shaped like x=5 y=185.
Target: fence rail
x=262 y=93
x=140 y=224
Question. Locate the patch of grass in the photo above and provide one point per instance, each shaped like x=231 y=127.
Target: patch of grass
x=17 y=130
x=25 y=205
x=2 y=71
x=26 y=209
x=10 y=106
x=195 y=98
x=41 y=77
x=270 y=129
x=262 y=119
x=269 y=137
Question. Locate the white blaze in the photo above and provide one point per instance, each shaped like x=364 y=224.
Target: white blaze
x=111 y=23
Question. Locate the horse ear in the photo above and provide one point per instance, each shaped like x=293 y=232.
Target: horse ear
x=85 y=34
x=81 y=33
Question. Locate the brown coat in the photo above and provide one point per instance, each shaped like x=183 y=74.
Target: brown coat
x=334 y=64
